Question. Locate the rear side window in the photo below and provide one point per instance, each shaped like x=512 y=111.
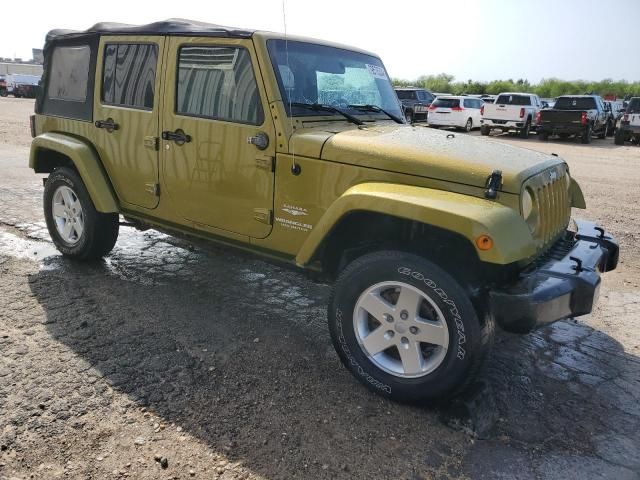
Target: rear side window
x=424 y=96
x=406 y=94
x=69 y=74
x=634 y=106
x=68 y=79
x=446 y=103
x=129 y=75
x=472 y=103
x=218 y=83
x=513 y=100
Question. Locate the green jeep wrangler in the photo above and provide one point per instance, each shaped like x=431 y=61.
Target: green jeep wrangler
x=297 y=150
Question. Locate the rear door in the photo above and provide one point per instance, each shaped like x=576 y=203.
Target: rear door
x=126 y=114
x=218 y=144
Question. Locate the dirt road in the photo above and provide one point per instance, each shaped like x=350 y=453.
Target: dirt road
x=172 y=361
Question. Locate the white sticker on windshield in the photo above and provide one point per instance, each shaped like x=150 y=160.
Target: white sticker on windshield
x=376 y=71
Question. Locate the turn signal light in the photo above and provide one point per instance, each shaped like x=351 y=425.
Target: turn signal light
x=522 y=113
x=484 y=242
x=482 y=110
x=583 y=118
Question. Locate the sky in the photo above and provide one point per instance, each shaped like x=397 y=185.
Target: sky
x=480 y=40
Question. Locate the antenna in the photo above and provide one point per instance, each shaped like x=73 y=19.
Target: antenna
x=295 y=169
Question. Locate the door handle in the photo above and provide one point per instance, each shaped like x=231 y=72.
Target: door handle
x=178 y=136
x=109 y=124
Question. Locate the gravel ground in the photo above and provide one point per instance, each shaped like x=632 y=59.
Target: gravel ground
x=170 y=360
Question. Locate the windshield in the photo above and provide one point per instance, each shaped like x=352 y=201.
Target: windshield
x=513 y=100
x=407 y=94
x=317 y=74
x=575 y=103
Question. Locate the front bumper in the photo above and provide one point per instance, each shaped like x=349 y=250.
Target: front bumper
x=565 y=283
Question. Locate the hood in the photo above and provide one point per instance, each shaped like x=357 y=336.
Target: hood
x=426 y=152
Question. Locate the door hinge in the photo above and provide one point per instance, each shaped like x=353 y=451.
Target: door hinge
x=152 y=142
x=266 y=162
x=153 y=189
x=263 y=215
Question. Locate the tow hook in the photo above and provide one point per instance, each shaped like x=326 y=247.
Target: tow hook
x=578 y=266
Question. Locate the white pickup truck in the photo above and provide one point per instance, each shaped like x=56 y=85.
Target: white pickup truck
x=629 y=125
x=511 y=112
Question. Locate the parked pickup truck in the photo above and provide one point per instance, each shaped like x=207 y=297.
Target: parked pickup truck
x=579 y=115
x=629 y=126
x=21 y=85
x=511 y=112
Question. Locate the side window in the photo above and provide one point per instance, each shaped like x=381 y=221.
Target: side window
x=69 y=74
x=218 y=83
x=129 y=75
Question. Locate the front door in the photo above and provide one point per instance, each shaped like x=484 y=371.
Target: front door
x=126 y=115
x=218 y=143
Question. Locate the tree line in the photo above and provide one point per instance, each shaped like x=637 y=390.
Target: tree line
x=547 y=88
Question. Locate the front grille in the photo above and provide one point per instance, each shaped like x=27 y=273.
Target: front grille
x=552 y=203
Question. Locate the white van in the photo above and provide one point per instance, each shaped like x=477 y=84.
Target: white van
x=455 y=111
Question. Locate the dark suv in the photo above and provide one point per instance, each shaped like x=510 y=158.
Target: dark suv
x=415 y=103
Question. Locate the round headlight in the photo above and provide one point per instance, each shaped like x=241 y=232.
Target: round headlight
x=527 y=204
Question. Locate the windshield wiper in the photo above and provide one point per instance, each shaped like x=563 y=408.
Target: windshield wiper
x=377 y=109
x=318 y=107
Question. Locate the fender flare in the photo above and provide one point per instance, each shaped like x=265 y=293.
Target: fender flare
x=465 y=215
x=86 y=161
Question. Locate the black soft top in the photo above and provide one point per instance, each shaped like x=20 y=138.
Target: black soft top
x=173 y=26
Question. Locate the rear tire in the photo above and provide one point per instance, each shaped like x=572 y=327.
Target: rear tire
x=426 y=340
x=619 y=139
x=586 y=135
x=485 y=130
x=543 y=135
x=77 y=229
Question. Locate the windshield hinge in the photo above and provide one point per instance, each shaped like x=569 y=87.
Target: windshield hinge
x=494 y=182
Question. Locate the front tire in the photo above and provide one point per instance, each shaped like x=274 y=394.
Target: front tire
x=468 y=126
x=409 y=117
x=605 y=132
x=405 y=328
x=77 y=229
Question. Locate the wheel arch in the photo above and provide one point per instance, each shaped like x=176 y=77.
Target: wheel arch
x=375 y=215
x=54 y=150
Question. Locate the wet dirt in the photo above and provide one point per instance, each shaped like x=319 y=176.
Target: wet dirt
x=222 y=364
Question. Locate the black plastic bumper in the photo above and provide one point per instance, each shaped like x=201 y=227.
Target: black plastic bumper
x=567 y=285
